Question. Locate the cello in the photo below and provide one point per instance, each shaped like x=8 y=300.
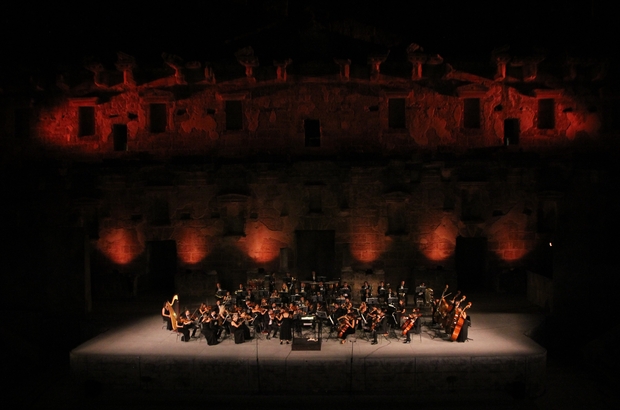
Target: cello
x=459 y=323
x=406 y=327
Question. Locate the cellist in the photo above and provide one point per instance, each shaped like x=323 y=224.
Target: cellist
x=348 y=324
x=412 y=322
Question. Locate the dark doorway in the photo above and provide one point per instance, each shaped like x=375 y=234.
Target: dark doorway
x=120 y=137
x=162 y=264
x=316 y=251
x=470 y=262
x=511 y=131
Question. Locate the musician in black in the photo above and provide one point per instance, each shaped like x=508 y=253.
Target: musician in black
x=219 y=291
x=271 y=324
x=190 y=322
x=377 y=326
x=210 y=328
x=345 y=291
x=381 y=291
x=402 y=291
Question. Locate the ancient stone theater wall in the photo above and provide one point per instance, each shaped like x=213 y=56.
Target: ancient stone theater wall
x=401 y=170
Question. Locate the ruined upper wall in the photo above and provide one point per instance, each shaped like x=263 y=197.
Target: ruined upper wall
x=191 y=109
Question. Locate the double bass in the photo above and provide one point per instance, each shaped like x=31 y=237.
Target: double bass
x=459 y=323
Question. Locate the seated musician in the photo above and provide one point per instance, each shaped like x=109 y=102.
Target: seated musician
x=400 y=312
x=412 y=324
x=240 y=294
x=284 y=293
x=227 y=299
x=189 y=322
x=210 y=328
x=219 y=292
x=183 y=326
x=271 y=324
x=345 y=290
x=302 y=290
x=236 y=325
x=222 y=314
x=365 y=286
x=402 y=291
x=165 y=313
x=381 y=291
x=348 y=324
x=288 y=280
x=378 y=325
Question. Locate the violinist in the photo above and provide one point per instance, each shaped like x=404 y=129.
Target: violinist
x=210 y=328
x=189 y=322
x=271 y=324
x=183 y=327
x=236 y=325
x=222 y=316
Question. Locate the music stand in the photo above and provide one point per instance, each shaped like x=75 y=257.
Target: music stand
x=372 y=301
x=263 y=293
x=321 y=279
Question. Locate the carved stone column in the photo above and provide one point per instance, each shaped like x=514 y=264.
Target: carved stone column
x=345 y=68
x=281 y=69
x=417 y=60
x=96 y=69
x=176 y=64
x=209 y=73
x=501 y=61
x=246 y=58
x=375 y=62
x=126 y=64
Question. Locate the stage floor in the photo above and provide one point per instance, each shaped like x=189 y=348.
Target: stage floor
x=498 y=356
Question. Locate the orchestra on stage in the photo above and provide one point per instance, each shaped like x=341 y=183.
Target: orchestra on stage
x=269 y=310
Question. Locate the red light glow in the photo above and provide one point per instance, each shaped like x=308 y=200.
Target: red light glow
x=261 y=245
x=121 y=246
x=192 y=246
x=436 y=250
x=366 y=245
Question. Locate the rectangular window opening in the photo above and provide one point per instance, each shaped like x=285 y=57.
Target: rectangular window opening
x=119 y=132
x=86 y=121
x=471 y=113
x=396 y=113
x=511 y=131
x=546 y=114
x=158 y=118
x=234 y=115
x=312 y=131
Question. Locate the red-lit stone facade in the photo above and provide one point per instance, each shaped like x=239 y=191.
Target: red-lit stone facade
x=231 y=168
